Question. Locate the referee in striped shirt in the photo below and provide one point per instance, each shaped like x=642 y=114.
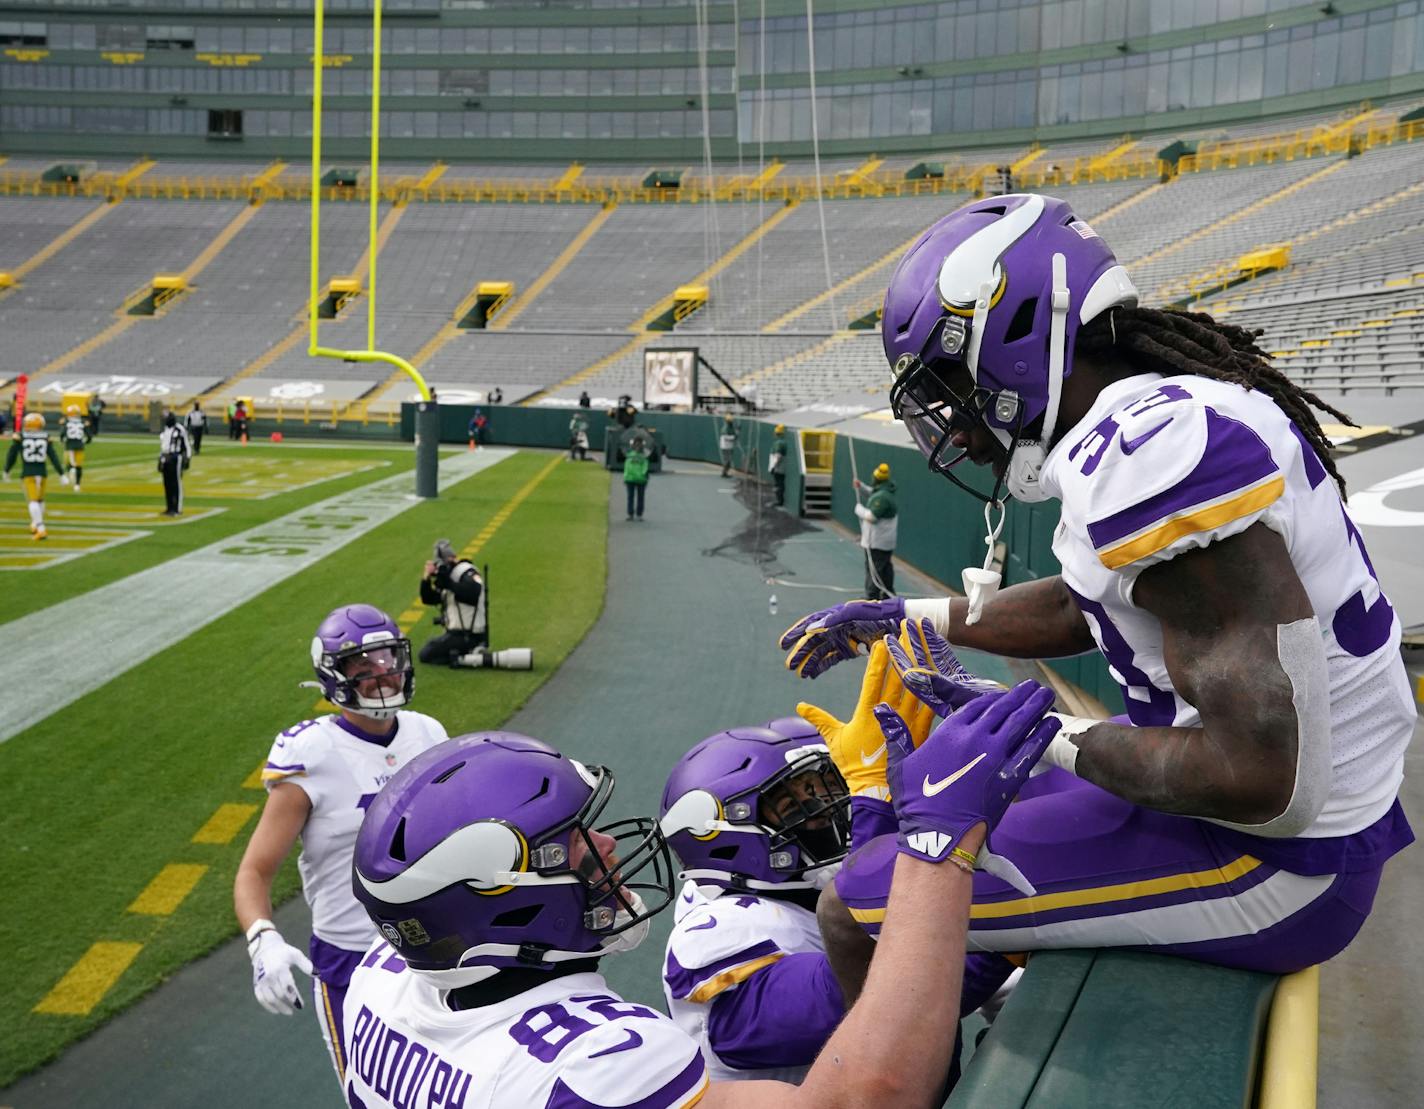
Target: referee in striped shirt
x=174 y=451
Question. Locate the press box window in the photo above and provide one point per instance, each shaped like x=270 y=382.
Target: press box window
x=224 y=123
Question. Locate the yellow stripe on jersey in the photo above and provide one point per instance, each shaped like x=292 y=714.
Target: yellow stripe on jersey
x=698 y=1096
x=333 y=1029
x=1203 y=519
x=728 y=978
x=282 y=775
x=1125 y=891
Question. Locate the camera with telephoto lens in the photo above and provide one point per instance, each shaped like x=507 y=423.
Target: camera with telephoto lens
x=511 y=658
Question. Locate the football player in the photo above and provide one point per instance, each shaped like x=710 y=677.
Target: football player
x=34 y=449
x=496 y=892
x=1243 y=811
x=75 y=434
x=320 y=777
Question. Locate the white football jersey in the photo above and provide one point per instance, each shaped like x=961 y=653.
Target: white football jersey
x=1159 y=466
x=341 y=774
x=568 y=1044
x=719 y=939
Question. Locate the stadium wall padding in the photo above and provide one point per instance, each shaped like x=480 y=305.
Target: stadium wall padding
x=942 y=528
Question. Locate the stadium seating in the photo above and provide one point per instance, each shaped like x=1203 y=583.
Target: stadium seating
x=779 y=294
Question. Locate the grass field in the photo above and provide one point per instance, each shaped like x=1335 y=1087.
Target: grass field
x=153 y=774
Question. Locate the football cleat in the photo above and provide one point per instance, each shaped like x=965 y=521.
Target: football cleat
x=40 y=532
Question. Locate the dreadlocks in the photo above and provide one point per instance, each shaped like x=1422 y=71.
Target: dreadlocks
x=1170 y=342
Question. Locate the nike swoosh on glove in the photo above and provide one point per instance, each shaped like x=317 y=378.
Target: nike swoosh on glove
x=930 y=670
x=272 y=961
x=817 y=642
x=968 y=770
x=856 y=745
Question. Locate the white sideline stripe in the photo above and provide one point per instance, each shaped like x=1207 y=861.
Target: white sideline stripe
x=50 y=667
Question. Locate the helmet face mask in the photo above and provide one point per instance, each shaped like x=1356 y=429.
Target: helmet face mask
x=486 y=853
x=362 y=662
x=758 y=808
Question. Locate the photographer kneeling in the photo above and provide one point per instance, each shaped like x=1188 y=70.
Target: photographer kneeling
x=456 y=587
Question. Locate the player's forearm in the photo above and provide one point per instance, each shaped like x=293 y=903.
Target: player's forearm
x=1203 y=772
x=251 y=896
x=894 y=1046
x=1034 y=619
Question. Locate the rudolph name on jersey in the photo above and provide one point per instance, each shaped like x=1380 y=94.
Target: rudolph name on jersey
x=566 y=1044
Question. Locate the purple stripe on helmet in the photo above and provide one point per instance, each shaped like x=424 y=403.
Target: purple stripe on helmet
x=681 y=980
x=1234 y=459
x=1104 y=909
x=674 y=1093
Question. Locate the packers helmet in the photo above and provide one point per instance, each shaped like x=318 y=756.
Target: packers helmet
x=34 y=421
x=71 y=410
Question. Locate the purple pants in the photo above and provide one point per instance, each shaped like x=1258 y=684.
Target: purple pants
x=332 y=968
x=1112 y=874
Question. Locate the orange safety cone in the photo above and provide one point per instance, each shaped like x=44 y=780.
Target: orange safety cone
x=472 y=444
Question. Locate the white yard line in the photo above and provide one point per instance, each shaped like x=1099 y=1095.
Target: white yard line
x=61 y=653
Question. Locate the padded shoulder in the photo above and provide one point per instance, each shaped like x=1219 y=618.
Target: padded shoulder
x=1175 y=469
x=719 y=943
x=296 y=752
x=630 y=1062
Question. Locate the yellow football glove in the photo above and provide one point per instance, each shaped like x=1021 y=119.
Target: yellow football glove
x=857 y=745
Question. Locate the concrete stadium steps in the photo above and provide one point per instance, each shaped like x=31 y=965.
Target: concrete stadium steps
x=73 y=296
x=519 y=359
x=735 y=356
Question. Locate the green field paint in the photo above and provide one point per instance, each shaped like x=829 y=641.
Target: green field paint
x=168 y=889
x=224 y=824
x=87 y=981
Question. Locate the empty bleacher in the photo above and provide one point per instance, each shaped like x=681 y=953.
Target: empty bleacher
x=774 y=318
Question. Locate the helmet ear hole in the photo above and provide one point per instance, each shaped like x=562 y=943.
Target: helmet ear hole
x=1021 y=326
x=724 y=853
x=397 y=848
x=517 y=918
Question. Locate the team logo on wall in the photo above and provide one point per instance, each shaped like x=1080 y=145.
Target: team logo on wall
x=669 y=376
x=296 y=390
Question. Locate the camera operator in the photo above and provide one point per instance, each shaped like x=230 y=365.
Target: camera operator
x=456 y=587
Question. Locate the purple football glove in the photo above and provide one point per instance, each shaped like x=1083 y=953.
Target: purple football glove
x=930 y=670
x=817 y=642
x=968 y=770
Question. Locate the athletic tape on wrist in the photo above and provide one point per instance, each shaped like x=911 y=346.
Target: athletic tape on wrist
x=1062 y=752
x=933 y=609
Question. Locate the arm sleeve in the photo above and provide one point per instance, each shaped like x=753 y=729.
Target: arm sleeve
x=864 y=513
x=54 y=459
x=12 y=454
x=428 y=593
x=779 y=1017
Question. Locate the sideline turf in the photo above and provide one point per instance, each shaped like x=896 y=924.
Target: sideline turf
x=97 y=799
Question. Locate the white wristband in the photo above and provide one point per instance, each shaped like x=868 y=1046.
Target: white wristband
x=1062 y=752
x=258 y=927
x=933 y=609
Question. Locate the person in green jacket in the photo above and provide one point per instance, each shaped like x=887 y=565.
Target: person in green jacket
x=777 y=462
x=635 y=476
x=879 y=528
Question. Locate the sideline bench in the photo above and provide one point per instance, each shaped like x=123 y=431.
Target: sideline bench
x=1124 y=1030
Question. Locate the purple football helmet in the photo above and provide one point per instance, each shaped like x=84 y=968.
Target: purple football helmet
x=1000 y=287
x=482 y=854
x=360 y=646
x=758 y=808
